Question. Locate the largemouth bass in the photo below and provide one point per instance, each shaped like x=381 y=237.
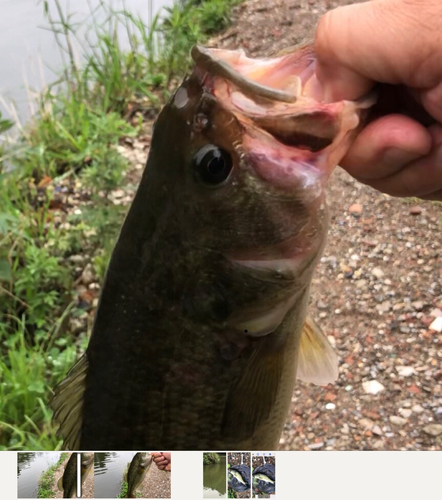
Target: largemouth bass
x=201 y=328
x=68 y=481
x=138 y=468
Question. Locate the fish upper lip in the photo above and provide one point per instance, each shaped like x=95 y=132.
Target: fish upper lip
x=204 y=59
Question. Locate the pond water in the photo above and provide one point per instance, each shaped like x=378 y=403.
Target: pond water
x=108 y=472
x=29 y=56
x=214 y=479
x=29 y=469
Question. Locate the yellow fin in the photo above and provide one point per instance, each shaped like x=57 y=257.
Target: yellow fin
x=60 y=484
x=67 y=404
x=251 y=398
x=318 y=362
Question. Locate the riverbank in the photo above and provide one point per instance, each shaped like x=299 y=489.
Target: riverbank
x=70 y=178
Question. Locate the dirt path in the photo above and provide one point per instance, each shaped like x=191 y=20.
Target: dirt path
x=375 y=293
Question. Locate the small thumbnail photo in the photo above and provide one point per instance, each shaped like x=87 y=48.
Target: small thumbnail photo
x=263 y=476
x=54 y=475
x=214 y=475
x=132 y=474
x=239 y=475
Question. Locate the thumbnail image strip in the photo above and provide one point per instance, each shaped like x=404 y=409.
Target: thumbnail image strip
x=214 y=475
x=239 y=475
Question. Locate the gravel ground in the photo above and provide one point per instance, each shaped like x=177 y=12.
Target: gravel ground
x=157 y=484
x=376 y=292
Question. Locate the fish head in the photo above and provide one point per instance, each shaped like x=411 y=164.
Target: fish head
x=249 y=147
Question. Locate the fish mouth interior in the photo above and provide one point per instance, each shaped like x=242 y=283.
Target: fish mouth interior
x=278 y=95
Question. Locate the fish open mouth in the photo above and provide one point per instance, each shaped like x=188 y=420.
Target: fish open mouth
x=279 y=98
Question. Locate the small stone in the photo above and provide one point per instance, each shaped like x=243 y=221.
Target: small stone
x=436 y=312
x=316 y=446
x=321 y=305
x=405 y=371
x=377 y=273
x=377 y=430
x=330 y=406
x=433 y=429
x=418 y=305
x=438 y=414
x=415 y=210
x=437 y=325
x=311 y=435
x=397 y=420
x=405 y=412
x=366 y=423
x=417 y=409
x=345 y=429
x=355 y=209
x=372 y=387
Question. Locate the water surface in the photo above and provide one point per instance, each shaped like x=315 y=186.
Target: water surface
x=214 y=479
x=28 y=52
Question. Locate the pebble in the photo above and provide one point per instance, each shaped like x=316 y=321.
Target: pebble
x=415 y=210
x=437 y=325
x=418 y=305
x=355 y=209
x=405 y=371
x=377 y=430
x=372 y=387
x=397 y=420
x=316 y=446
x=417 y=409
x=433 y=429
x=438 y=414
x=377 y=273
x=405 y=412
x=345 y=429
x=330 y=406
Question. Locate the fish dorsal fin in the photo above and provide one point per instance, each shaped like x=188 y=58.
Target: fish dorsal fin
x=317 y=363
x=60 y=484
x=67 y=404
x=251 y=398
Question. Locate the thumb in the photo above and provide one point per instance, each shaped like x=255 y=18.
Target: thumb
x=360 y=44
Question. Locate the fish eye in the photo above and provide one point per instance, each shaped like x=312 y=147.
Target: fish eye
x=212 y=165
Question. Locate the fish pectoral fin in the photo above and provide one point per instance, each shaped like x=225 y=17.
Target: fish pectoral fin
x=317 y=362
x=67 y=404
x=60 y=484
x=252 y=397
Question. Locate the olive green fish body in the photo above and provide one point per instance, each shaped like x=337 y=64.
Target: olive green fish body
x=202 y=315
x=138 y=469
x=68 y=482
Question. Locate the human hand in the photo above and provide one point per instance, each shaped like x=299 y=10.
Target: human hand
x=397 y=42
x=163 y=460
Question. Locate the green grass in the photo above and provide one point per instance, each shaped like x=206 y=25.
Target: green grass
x=57 y=218
x=46 y=482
